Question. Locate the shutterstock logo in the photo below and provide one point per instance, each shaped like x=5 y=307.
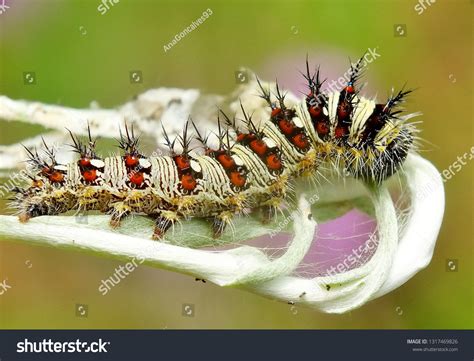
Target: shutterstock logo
x=105 y=6
x=4 y=287
x=49 y=346
x=423 y=5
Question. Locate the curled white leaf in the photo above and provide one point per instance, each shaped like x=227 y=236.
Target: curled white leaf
x=418 y=239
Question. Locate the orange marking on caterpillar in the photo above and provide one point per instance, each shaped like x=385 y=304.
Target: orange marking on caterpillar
x=301 y=141
x=182 y=162
x=237 y=179
x=315 y=111
x=226 y=161
x=276 y=112
x=287 y=127
x=188 y=182
x=131 y=161
x=322 y=128
x=273 y=162
x=56 y=177
x=340 y=132
x=84 y=162
x=136 y=178
x=90 y=175
x=258 y=146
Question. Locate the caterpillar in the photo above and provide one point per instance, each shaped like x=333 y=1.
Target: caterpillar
x=251 y=167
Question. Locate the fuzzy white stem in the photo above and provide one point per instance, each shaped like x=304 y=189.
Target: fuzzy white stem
x=168 y=106
x=153 y=104
x=226 y=268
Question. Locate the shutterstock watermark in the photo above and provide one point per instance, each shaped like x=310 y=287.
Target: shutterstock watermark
x=15 y=180
x=358 y=256
x=4 y=287
x=194 y=25
x=106 y=5
x=457 y=165
x=50 y=346
x=333 y=86
x=447 y=173
x=422 y=5
x=120 y=273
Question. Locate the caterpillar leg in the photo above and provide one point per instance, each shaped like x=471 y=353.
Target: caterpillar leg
x=163 y=222
x=268 y=213
x=220 y=222
x=270 y=208
x=119 y=211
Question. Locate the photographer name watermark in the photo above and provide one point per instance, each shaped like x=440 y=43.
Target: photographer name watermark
x=194 y=25
x=282 y=225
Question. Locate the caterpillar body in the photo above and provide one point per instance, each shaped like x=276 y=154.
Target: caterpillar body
x=250 y=168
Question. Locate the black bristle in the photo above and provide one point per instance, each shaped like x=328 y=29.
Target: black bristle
x=280 y=97
x=249 y=123
x=168 y=142
x=265 y=94
x=199 y=137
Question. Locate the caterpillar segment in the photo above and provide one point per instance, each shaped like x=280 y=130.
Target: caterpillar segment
x=252 y=167
x=356 y=135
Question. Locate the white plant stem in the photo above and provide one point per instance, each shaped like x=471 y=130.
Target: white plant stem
x=226 y=268
x=168 y=106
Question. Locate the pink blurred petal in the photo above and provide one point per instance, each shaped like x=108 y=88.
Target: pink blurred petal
x=335 y=241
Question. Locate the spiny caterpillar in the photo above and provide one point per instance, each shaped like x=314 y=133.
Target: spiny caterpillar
x=250 y=168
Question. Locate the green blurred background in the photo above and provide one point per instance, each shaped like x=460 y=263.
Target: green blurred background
x=79 y=55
